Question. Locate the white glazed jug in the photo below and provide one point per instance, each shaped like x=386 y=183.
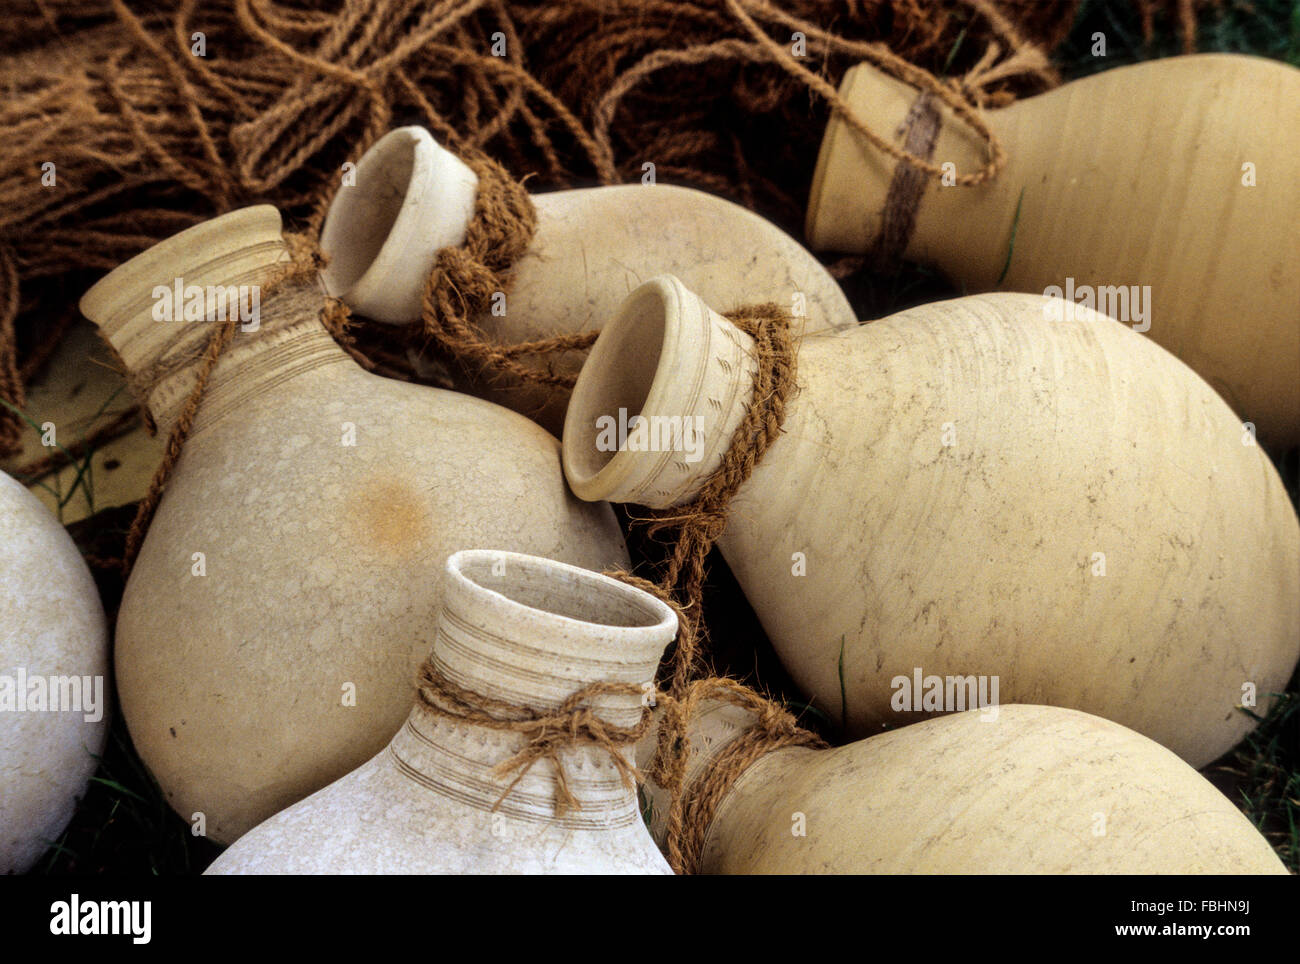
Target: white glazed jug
x=521 y=629
x=53 y=677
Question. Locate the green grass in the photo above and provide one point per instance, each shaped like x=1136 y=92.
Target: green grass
x=1267 y=778
x=1011 y=244
x=647 y=807
x=123 y=824
x=84 y=481
x=1265 y=28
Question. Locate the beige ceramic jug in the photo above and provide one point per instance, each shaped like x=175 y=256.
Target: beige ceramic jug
x=592 y=246
x=1044 y=512
x=1181 y=174
x=530 y=632
x=53 y=669
x=1005 y=790
x=272 y=622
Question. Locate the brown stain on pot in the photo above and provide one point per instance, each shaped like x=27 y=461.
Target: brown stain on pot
x=389 y=516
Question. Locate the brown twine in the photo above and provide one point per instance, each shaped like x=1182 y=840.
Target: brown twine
x=203 y=354
x=546 y=732
x=215 y=345
x=188 y=344
x=462 y=283
x=960 y=98
x=903 y=200
x=149 y=138
x=693 y=808
x=575 y=723
x=1183 y=10
x=465 y=278
x=501 y=228
x=697 y=525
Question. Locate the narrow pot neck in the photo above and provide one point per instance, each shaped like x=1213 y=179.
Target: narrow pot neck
x=659 y=399
x=161 y=309
x=531 y=632
x=712 y=729
x=852 y=183
x=293 y=343
x=461 y=760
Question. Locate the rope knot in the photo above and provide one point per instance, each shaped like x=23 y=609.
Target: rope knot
x=547 y=734
x=693 y=808
x=466 y=278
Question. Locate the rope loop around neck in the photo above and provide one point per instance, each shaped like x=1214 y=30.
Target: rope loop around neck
x=575 y=723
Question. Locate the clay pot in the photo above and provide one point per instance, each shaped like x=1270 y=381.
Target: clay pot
x=592 y=246
x=279 y=605
x=515 y=628
x=1060 y=509
x=1030 y=790
x=1134 y=176
x=54 y=710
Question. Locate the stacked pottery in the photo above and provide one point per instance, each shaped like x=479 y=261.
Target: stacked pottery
x=966 y=491
x=592 y=246
x=53 y=668
x=1052 y=516
x=1108 y=191
x=522 y=631
x=279 y=606
x=1001 y=790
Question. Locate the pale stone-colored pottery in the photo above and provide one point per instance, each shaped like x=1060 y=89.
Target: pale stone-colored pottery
x=530 y=632
x=282 y=599
x=412 y=197
x=54 y=692
x=1182 y=174
x=1028 y=790
x=1061 y=509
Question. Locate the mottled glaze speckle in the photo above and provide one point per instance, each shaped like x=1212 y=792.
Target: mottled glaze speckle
x=516 y=628
x=51 y=625
x=323 y=500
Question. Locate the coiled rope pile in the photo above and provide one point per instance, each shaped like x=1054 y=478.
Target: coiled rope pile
x=125 y=123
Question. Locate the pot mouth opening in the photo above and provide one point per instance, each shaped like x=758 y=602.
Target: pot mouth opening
x=616 y=386
x=362 y=217
x=559 y=590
